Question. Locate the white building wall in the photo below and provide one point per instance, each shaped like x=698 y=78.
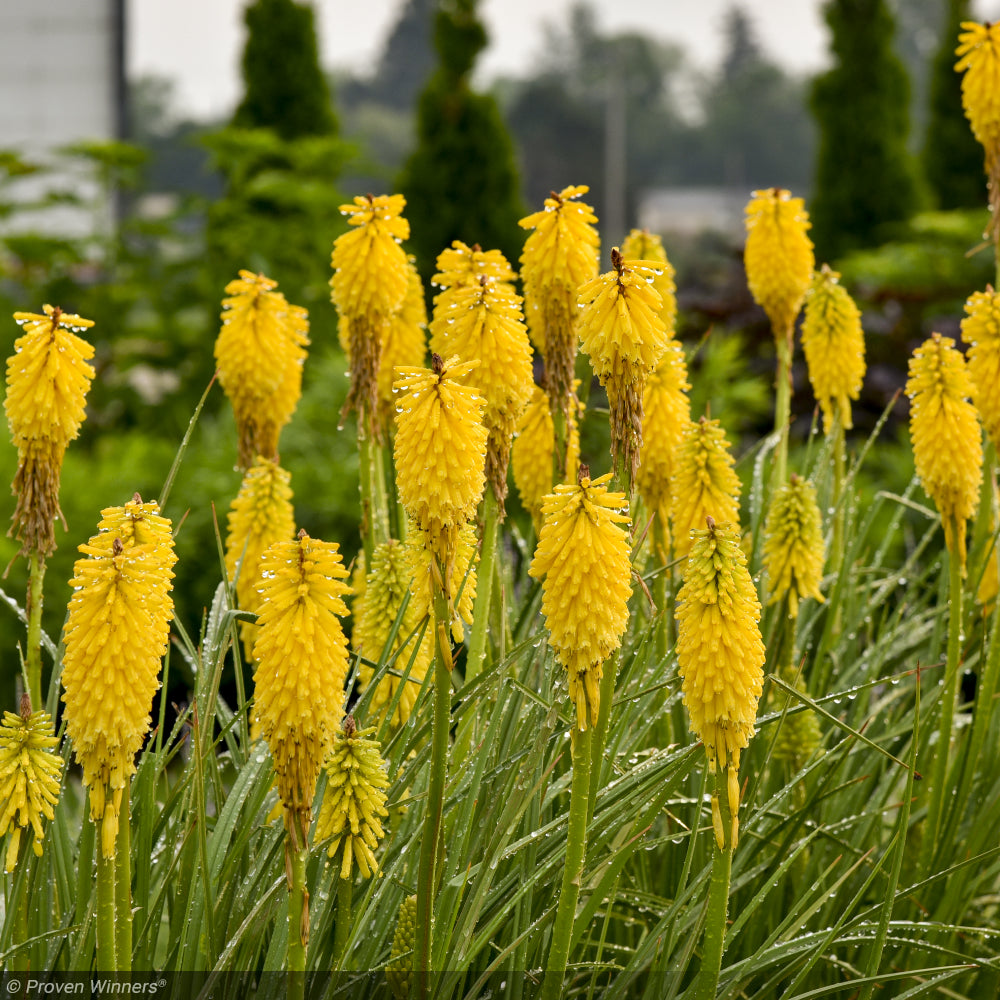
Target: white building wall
x=58 y=85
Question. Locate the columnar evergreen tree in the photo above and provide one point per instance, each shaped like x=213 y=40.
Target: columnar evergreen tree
x=461 y=181
x=864 y=174
x=952 y=159
x=285 y=89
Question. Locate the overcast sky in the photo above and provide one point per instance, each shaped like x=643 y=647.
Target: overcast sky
x=198 y=42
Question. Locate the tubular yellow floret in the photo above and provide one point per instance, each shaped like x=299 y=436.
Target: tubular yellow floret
x=48 y=378
x=531 y=453
x=640 y=244
x=301 y=655
x=387 y=587
x=704 y=483
x=354 y=802
x=981 y=331
x=259 y=352
x=666 y=415
x=834 y=346
x=583 y=555
x=793 y=545
x=116 y=634
x=944 y=431
x=778 y=256
x=29 y=777
x=260 y=515
x=720 y=652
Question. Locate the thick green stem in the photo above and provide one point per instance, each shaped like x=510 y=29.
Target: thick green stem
x=374 y=503
x=839 y=466
x=481 y=615
x=601 y=729
x=948 y=697
x=298 y=913
x=559 y=442
x=484 y=594
x=718 y=898
x=430 y=861
x=342 y=928
x=123 y=886
x=782 y=408
x=33 y=607
x=576 y=848
x=107 y=948
x=21 y=961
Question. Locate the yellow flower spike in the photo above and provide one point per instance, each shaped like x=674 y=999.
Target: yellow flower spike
x=301 y=655
x=834 y=346
x=620 y=325
x=260 y=515
x=461 y=265
x=562 y=250
x=259 y=352
x=440 y=446
x=387 y=587
x=666 y=415
x=370 y=267
x=704 y=483
x=944 y=431
x=29 y=776
x=559 y=256
x=354 y=802
x=640 y=244
x=48 y=378
x=793 y=545
x=460 y=585
x=720 y=653
x=583 y=553
x=400 y=965
x=979 y=52
x=483 y=321
x=981 y=331
x=115 y=635
x=778 y=256
x=371 y=281
x=531 y=452
x=621 y=331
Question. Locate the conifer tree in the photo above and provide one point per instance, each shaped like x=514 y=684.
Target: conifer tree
x=952 y=159
x=285 y=89
x=461 y=181
x=864 y=174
